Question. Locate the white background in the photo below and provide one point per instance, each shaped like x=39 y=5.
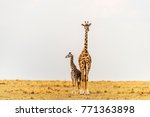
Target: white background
x=35 y=36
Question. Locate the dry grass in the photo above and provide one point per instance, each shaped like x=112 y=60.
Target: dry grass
x=61 y=90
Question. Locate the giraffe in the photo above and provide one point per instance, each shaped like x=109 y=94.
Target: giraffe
x=85 y=61
x=75 y=73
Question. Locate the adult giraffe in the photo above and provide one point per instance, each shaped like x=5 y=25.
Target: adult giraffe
x=85 y=61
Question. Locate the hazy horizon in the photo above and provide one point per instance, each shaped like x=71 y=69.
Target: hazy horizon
x=36 y=35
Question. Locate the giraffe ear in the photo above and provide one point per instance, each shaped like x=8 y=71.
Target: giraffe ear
x=82 y=24
x=89 y=24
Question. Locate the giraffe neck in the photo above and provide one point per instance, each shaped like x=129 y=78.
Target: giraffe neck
x=86 y=41
x=72 y=65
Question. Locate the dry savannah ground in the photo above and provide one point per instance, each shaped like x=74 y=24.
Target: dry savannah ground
x=62 y=90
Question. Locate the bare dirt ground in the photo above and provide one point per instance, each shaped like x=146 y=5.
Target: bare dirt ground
x=62 y=90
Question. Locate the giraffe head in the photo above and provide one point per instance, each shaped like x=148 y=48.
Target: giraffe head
x=69 y=55
x=86 y=25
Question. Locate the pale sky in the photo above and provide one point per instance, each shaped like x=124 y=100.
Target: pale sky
x=36 y=35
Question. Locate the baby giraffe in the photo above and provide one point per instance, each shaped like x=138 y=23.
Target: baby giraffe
x=75 y=73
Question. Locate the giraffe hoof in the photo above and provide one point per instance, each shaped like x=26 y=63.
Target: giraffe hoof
x=87 y=92
x=81 y=92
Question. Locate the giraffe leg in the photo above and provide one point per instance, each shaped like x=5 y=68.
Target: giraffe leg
x=79 y=82
x=76 y=85
x=86 y=81
x=73 y=85
x=82 y=83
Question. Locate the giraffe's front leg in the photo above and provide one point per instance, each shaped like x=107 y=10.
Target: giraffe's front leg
x=79 y=82
x=86 y=92
x=86 y=81
x=82 y=83
x=76 y=83
x=73 y=85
